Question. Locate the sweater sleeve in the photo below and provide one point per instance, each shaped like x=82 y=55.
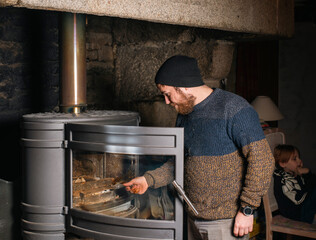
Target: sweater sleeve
x=259 y=161
x=258 y=174
x=160 y=176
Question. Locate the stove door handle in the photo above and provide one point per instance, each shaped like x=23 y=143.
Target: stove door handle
x=184 y=196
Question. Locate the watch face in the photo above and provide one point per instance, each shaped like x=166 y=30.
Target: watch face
x=247 y=211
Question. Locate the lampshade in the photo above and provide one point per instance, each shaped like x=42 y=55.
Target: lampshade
x=266 y=109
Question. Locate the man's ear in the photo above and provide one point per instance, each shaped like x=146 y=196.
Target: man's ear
x=185 y=90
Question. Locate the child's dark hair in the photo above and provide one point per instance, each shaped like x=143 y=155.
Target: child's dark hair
x=283 y=152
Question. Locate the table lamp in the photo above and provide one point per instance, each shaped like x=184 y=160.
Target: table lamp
x=267 y=110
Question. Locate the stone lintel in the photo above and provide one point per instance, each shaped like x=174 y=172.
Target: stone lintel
x=263 y=17
x=6 y=3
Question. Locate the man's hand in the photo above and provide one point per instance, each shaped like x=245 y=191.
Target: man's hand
x=302 y=170
x=137 y=185
x=243 y=224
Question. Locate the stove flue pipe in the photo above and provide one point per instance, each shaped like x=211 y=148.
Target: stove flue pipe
x=72 y=63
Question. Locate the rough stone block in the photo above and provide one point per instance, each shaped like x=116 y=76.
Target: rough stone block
x=128 y=31
x=95 y=40
x=99 y=65
x=11 y=52
x=100 y=24
x=4 y=3
x=222 y=57
x=156 y=114
x=105 y=54
x=92 y=55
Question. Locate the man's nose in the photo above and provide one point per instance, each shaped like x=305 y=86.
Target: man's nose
x=167 y=100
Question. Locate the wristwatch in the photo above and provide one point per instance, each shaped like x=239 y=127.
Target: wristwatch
x=247 y=211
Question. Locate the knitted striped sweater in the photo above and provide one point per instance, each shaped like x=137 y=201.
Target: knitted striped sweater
x=228 y=161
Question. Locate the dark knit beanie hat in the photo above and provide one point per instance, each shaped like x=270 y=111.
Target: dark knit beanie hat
x=179 y=71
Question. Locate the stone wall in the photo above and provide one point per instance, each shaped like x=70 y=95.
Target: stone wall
x=140 y=49
x=29 y=78
x=122 y=59
x=100 y=63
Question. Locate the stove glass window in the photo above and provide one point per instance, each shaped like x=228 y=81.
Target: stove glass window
x=97 y=185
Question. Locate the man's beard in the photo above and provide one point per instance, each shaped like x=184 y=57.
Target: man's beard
x=187 y=105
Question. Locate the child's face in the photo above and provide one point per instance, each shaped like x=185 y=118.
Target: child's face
x=293 y=164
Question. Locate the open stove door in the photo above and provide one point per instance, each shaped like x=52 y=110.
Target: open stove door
x=102 y=157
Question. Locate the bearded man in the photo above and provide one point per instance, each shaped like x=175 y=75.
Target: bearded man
x=228 y=162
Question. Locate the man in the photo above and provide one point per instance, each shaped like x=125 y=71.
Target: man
x=228 y=162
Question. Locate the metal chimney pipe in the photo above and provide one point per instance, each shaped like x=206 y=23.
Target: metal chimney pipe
x=72 y=63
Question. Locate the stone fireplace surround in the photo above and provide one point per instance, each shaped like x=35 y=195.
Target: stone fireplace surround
x=162 y=29
x=258 y=17
x=185 y=20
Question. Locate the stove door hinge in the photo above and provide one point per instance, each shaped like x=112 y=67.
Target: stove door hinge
x=65 y=144
x=65 y=210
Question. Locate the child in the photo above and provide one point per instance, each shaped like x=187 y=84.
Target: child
x=294 y=185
